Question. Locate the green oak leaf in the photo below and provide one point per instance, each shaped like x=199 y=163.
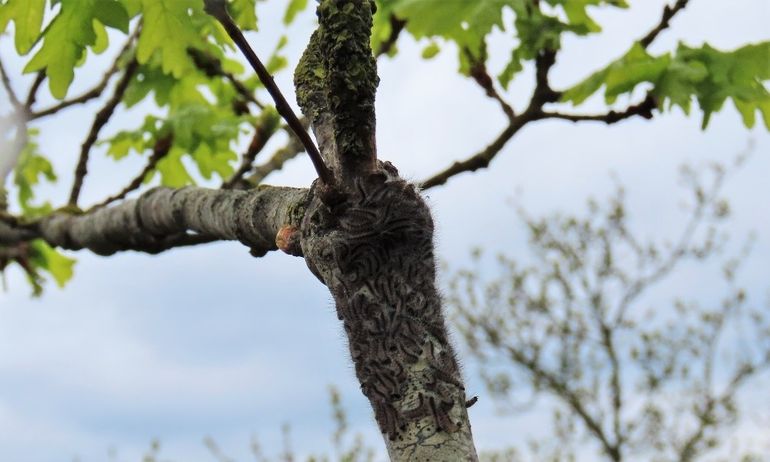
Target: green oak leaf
x=431 y=50
x=244 y=12
x=738 y=75
x=705 y=74
x=292 y=9
x=67 y=36
x=27 y=16
x=43 y=257
x=621 y=76
x=172 y=171
x=168 y=30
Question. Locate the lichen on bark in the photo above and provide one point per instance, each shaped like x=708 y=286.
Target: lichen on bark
x=336 y=82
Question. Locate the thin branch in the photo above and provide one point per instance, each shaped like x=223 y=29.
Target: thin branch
x=677 y=253
x=95 y=92
x=562 y=391
x=276 y=162
x=479 y=73
x=218 y=9
x=705 y=415
x=396 y=26
x=543 y=94
x=32 y=94
x=665 y=21
x=101 y=119
x=160 y=150
x=262 y=134
x=212 y=67
x=9 y=89
x=643 y=109
x=480 y=159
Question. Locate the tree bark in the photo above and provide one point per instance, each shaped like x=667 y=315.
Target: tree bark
x=369 y=238
x=162 y=217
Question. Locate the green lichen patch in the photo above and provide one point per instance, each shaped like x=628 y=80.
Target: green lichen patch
x=337 y=77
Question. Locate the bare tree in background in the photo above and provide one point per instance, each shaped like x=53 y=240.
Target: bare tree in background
x=635 y=377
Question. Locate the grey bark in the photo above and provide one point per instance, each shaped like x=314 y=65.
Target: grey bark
x=162 y=216
x=369 y=238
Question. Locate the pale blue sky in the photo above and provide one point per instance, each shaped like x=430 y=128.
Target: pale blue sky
x=210 y=341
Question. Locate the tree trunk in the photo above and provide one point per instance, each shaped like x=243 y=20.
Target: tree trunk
x=369 y=238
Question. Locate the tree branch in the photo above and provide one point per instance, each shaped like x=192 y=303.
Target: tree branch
x=280 y=157
x=101 y=119
x=562 y=391
x=93 y=93
x=480 y=74
x=160 y=150
x=218 y=9
x=32 y=94
x=336 y=81
x=162 y=218
x=643 y=109
x=212 y=67
x=543 y=94
x=668 y=13
x=396 y=26
x=262 y=134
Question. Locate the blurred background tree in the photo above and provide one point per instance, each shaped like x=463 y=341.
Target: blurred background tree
x=627 y=375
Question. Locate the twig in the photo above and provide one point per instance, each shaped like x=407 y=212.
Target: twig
x=102 y=117
x=643 y=109
x=276 y=162
x=543 y=94
x=480 y=159
x=262 y=134
x=212 y=67
x=95 y=92
x=9 y=89
x=217 y=9
x=159 y=151
x=396 y=26
x=32 y=94
x=480 y=74
x=665 y=21
x=562 y=390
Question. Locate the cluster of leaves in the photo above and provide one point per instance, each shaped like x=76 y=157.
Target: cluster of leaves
x=705 y=74
x=637 y=383
x=194 y=102
x=467 y=25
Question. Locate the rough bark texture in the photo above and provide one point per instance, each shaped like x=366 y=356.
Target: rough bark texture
x=375 y=253
x=371 y=242
x=336 y=81
x=163 y=216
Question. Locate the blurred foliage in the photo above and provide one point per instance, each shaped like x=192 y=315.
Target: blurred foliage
x=635 y=377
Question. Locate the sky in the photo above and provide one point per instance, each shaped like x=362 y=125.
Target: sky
x=209 y=341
